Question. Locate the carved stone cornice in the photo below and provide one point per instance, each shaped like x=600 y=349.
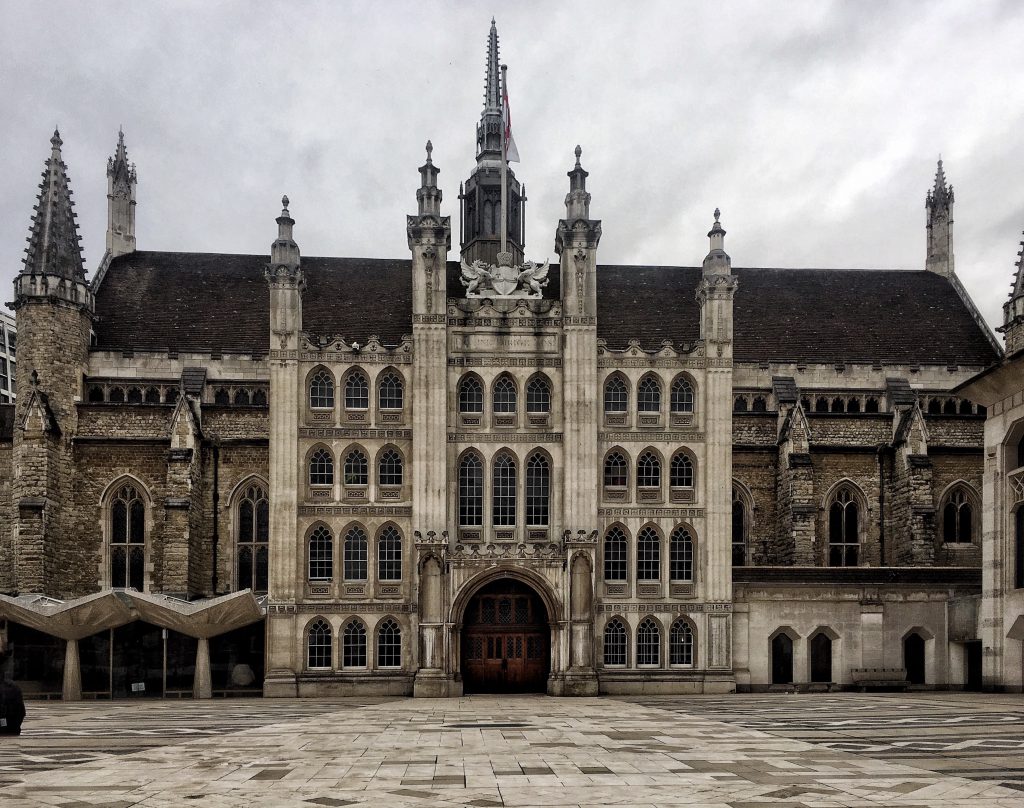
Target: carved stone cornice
x=716 y=287
x=429 y=230
x=576 y=233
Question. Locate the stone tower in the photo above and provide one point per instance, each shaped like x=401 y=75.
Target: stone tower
x=1013 y=309
x=480 y=197
x=55 y=309
x=939 y=203
x=121 y=183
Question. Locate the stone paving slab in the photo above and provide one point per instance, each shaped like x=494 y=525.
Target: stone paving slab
x=480 y=751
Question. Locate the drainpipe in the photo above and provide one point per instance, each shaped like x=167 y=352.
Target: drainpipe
x=216 y=513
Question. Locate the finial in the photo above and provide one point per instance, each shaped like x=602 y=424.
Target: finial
x=579 y=151
x=430 y=149
x=718 y=214
x=492 y=21
x=55 y=140
x=284 y=204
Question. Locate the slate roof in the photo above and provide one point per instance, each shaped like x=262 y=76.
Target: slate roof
x=203 y=302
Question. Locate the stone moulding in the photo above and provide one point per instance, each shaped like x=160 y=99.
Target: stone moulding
x=663 y=606
x=537 y=550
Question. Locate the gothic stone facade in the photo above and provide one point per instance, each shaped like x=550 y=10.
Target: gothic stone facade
x=627 y=479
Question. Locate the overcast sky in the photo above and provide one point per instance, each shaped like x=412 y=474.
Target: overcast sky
x=815 y=126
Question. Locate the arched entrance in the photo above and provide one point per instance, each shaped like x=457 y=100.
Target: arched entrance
x=913 y=658
x=506 y=640
x=782 y=659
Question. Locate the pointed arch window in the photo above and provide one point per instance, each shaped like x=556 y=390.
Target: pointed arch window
x=681 y=471
x=648 y=471
x=356 y=468
x=615 y=642
x=680 y=555
x=538 y=396
x=648 y=555
x=357 y=391
x=253 y=539
x=321 y=468
x=538 y=489
x=321 y=391
x=127 y=539
x=391 y=392
x=739 y=530
x=680 y=643
x=319 y=645
x=389 y=554
x=321 y=554
x=648 y=395
x=843 y=529
x=353 y=644
x=355 y=561
x=471 y=491
x=648 y=642
x=615 y=555
x=389 y=468
x=616 y=474
x=681 y=398
x=471 y=395
x=958 y=518
x=616 y=395
x=503 y=505
x=504 y=397
x=389 y=645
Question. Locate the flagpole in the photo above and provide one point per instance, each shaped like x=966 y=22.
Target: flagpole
x=504 y=169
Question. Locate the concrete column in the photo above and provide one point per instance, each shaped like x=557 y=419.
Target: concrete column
x=72 y=672
x=202 y=687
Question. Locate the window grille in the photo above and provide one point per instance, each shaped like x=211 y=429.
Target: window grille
x=357 y=391
x=389 y=645
x=471 y=491
x=648 y=395
x=957 y=519
x=615 y=471
x=616 y=396
x=389 y=554
x=355 y=555
x=471 y=395
x=253 y=537
x=353 y=645
x=504 y=491
x=648 y=555
x=127 y=539
x=615 y=643
x=318 y=645
x=321 y=554
x=356 y=468
x=538 y=396
x=321 y=468
x=615 y=555
x=538 y=490
x=648 y=643
x=843 y=530
x=321 y=390
x=389 y=468
x=681 y=399
x=680 y=555
x=391 y=392
x=681 y=471
x=504 y=396
x=648 y=471
x=680 y=643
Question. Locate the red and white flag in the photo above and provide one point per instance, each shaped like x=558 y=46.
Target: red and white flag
x=511 y=152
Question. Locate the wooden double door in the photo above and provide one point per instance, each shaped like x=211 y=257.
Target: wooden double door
x=505 y=640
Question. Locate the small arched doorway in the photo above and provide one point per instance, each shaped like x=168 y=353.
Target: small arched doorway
x=506 y=640
x=821 y=658
x=913 y=658
x=782 y=659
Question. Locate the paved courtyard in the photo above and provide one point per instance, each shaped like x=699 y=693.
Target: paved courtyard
x=739 y=751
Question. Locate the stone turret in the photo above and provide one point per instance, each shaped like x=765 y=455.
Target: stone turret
x=55 y=307
x=481 y=194
x=1013 y=309
x=939 y=204
x=121 y=181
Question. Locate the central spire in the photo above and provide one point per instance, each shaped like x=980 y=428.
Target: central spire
x=488 y=131
x=492 y=89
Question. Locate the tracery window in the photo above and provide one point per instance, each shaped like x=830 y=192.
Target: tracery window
x=242 y=397
x=680 y=555
x=615 y=642
x=740 y=404
x=615 y=471
x=389 y=554
x=681 y=399
x=504 y=396
x=648 y=395
x=538 y=395
x=471 y=395
x=127 y=539
x=390 y=392
x=357 y=391
x=648 y=555
x=616 y=396
x=152 y=395
x=648 y=471
x=389 y=468
x=353 y=645
x=356 y=468
x=319 y=645
x=321 y=390
x=957 y=518
x=321 y=468
x=739 y=530
x=843 y=530
x=355 y=561
x=252 y=539
x=321 y=554
x=615 y=555
x=681 y=471
x=471 y=490
x=503 y=504
x=538 y=489
x=648 y=642
x=389 y=645
x=680 y=643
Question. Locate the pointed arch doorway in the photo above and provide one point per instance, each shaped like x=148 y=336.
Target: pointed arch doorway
x=506 y=640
